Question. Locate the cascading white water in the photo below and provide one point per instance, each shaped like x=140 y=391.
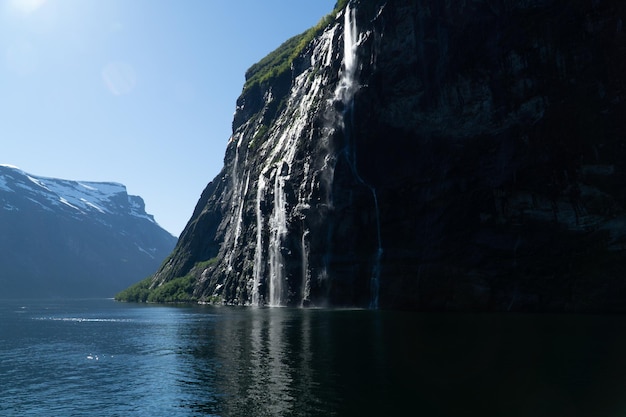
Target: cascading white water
x=277 y=233
x=347 y=86
x=349 y=42
x=270 y=279
x=240 y=211
x=279 y=150
x=237 y=202
x=258 y=251
x=345 y=92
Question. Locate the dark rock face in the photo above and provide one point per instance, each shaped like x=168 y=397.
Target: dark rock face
x=74 y=239
x=428 y=155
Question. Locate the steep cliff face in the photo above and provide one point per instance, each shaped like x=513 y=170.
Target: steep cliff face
x=427 y=155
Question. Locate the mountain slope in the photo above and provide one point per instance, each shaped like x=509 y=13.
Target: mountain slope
x=425 y=155
x=71 y=238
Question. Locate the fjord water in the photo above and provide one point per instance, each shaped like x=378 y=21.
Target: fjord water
x=102 y=358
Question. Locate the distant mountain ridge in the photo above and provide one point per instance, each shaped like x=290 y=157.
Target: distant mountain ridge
x=80 y=197
x=67 y=238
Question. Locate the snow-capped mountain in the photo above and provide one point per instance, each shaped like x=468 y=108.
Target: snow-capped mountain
x=79 y=197
x=63 y=237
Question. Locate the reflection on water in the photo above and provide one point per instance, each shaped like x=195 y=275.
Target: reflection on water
x=270 y=362
x=110 y=359
x=261 y=361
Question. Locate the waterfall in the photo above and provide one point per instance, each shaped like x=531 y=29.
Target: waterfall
x=258 y=251
x=272 y=273
x=347 y=86
x=281 y=148
x=277 y=233
x=349 y=42
x=239 y=197
x=240 y=211
x=345 y=92
x=237 y=202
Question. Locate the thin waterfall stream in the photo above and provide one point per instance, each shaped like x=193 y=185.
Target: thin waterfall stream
x=347 y=89
x=258 y=252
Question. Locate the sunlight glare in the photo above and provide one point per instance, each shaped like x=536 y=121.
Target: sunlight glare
x=27 y=6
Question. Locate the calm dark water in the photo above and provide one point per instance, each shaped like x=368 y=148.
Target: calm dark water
x=101 y=358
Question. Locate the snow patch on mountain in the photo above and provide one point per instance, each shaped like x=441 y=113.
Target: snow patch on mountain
x=37 y=182
x=3 y=185
x=151 y=252
x=83 y=197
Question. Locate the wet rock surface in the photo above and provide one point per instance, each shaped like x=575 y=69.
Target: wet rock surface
x=445 y=157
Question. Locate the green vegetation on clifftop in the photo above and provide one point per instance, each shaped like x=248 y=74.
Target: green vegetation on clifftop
x=279 y=61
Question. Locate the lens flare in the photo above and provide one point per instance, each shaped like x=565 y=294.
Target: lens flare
x=119 y=78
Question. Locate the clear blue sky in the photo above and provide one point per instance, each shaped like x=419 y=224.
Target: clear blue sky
x=140 y=92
